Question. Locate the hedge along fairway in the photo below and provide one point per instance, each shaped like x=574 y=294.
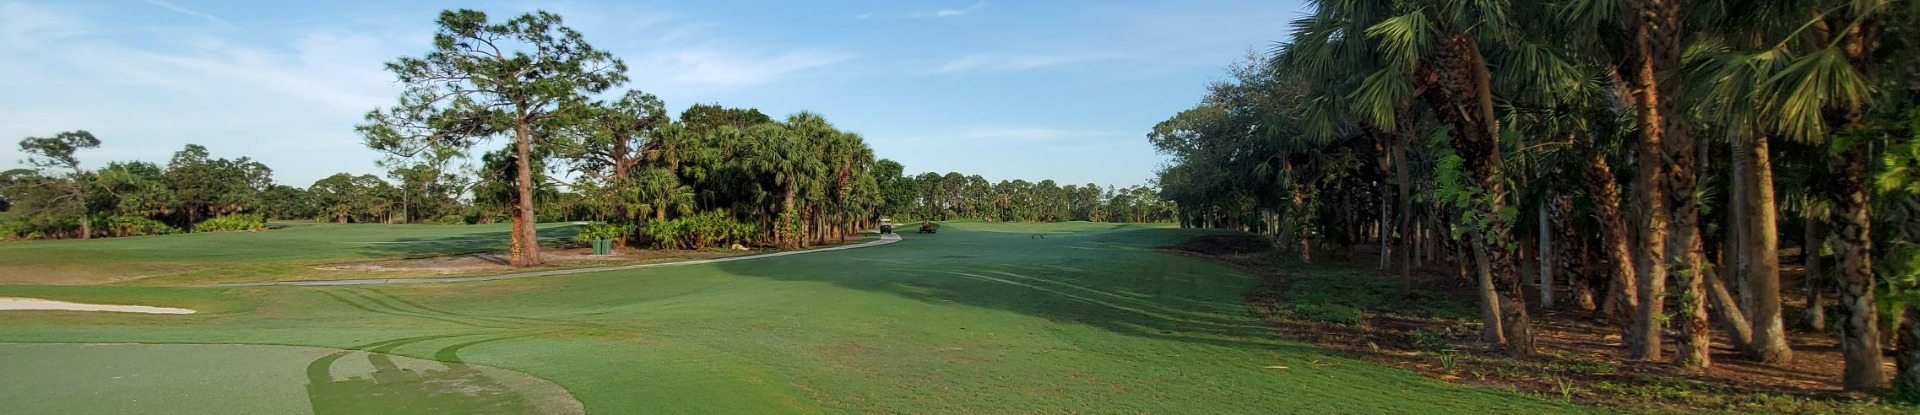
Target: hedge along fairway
x=981 y=318
x=201 y=258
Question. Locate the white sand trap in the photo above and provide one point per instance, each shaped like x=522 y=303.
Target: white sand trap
x=15 y=303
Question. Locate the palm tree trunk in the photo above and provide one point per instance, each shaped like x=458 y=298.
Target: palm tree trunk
x=787 y=224
x=1853 y=246
x=1812 y=247
x=1739 y=330
x=1656 y=46
x=1623 y=289
x=1907 y=359
x=1761 y=258
x=1684 y=244
x=1403 y=132
x=1491 y=331
x=1545 y=257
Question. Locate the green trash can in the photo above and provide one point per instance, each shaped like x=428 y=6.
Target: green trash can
x=602 y=247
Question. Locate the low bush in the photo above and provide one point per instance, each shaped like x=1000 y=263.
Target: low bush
x=601 y=230
x=232 y=223
x=126 y=225
x=451 y=219
x=13 y=228
x=705 y=230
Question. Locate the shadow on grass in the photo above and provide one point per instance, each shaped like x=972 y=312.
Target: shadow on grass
x=1111 y=279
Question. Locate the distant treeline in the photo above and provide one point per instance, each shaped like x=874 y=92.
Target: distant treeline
x=941 y=197
x=798 y=182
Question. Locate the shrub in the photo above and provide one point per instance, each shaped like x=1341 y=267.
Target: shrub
x=451 y=219
x=39 y=227
x=232 y=223
x=127 y=225
x=15 y=229
x=704 y=230
x=601 y=230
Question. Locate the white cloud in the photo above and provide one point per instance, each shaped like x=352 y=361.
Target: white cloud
x=1006 y=62
x=186 y=11
x=949 y=12
x=864 y=16
x=24 y=25
x=289 y=103
x=705 y=65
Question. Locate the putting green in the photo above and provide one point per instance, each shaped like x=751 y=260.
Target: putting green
x=251 y=379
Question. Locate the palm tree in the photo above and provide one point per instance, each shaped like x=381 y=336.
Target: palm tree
x=1434 y=49
x=1827 y=77
x=788 y=161
x=659 y=190
x=1328 y=49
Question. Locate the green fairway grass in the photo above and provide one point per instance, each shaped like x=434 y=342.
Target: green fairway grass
x=978 y=319
x=286 y=253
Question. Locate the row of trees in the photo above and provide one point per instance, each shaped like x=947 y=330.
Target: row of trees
x=942 y=197
x=1614 y=147
x=58 y=198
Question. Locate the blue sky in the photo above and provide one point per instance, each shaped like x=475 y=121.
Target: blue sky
x=1062 y=90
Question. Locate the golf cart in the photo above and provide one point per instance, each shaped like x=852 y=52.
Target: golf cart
x=886 y=226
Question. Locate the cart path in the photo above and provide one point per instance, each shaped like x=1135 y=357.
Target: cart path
x=884 y=239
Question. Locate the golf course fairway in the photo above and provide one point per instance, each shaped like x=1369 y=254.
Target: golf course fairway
x=978 y=319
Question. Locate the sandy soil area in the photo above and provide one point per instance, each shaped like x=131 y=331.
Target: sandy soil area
x=15 y=303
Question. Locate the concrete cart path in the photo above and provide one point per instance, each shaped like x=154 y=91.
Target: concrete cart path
x=884 y=239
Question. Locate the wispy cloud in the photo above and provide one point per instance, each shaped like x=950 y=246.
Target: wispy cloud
x=186 y=11
x=949 y=12
x=1012 y=62
x=864 y=16
x=201 y=86
x=729 y=67
x=28 y=26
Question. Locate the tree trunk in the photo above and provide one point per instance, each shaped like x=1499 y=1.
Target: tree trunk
x=1491 y=330
x=1739 y=330
x=1686 y=248
x=1762 y=258
x=1812 y=247
x=1575 y=256
x=1907 y=359
x=1733 y=261
x=1649 y=260
x=1381 y=226
x=1853 y=246
x=787 y=224
x=524 y=249
x=1545 y=257
x=1655 y=52
x=1463 y=97
x=1405 y=212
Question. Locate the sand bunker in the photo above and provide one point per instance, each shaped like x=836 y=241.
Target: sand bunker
x=14 y=303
